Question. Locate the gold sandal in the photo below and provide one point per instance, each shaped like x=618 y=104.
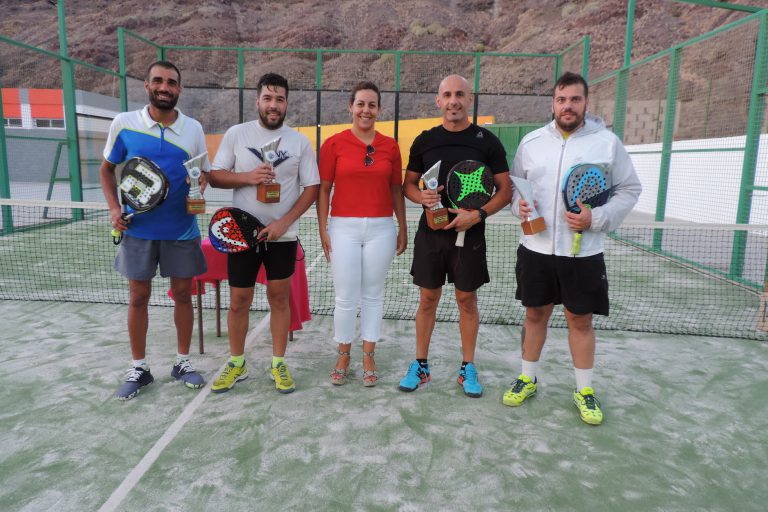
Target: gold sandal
x=339 y=375
x=370 y=377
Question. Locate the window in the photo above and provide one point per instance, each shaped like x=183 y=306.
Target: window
x=49 y=123
x=13 y=122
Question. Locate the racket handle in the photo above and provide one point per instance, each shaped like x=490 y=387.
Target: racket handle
x=576 y=246
x=460 y=238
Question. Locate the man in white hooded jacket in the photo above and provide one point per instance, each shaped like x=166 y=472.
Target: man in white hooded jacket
x=547 y=273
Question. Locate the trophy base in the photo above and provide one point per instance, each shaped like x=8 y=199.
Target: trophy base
x=437 y=219
x=195 y=206
x=531 y=227
x=268 y=192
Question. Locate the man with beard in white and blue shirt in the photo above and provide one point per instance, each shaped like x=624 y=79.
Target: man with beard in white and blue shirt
x=240 y=165
x=166 y=236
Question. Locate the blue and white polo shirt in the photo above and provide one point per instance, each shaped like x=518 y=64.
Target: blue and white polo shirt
x=137 y=134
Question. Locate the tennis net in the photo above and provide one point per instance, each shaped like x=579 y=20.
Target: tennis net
x=672 y=278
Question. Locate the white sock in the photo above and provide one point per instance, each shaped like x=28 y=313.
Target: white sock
x=140 y=363
x=583 y=378
x=530 y=368
x=181 y=357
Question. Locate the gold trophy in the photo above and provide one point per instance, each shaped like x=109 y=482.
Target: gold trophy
x=269 y=192
x=195 y=201
x=437 y=215
x=535 y=223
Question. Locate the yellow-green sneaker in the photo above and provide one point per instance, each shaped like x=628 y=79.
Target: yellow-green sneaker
x=229 y=377
x=588 y=405
x=521 y=389
x=282 y=377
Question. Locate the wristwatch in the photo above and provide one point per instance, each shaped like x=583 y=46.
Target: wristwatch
x=483 y=214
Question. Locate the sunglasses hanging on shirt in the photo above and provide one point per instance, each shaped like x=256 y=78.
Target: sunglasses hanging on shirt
x=368 y=152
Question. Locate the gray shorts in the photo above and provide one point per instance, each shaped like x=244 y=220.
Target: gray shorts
x=138 y=258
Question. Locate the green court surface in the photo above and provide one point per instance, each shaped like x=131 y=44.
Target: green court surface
x=684 y=428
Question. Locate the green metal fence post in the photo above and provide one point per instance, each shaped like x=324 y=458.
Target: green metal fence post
x=620 y=105
x=476 y=105
x=397 y=95
x=585 y=57
x=670 y=112
x=5 y=173
x=748 y=170
x=240 y=84
x=70 y=115
x=318 y=96
x=123 y=78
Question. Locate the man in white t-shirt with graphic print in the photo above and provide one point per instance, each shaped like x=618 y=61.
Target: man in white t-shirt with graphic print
x=239 y=165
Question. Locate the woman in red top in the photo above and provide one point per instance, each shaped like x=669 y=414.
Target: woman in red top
x=364 y=169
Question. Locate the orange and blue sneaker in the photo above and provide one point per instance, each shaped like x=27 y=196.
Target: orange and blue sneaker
x=468 y=381
x=521 y=389
x=588 y=405
x=415 y=376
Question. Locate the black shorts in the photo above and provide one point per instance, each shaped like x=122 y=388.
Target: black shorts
x=436 y=256
x=279 y=259
x=579 y=284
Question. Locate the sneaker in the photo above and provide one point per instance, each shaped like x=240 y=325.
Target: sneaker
x=282 y=377
x=588 y=405
x=521 y=389
x=468 y=380
x=185 y=372
x=414 y=377
x=228 y=377
x=135 y=379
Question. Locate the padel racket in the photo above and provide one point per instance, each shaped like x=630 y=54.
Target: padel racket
x=592 y=184
x=469 y=186
x=233 y=230
x=143 y=186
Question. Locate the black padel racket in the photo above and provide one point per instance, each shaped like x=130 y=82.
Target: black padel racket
x=233 y=230
x=593 y=185
x=143 y=186
x=469 y=186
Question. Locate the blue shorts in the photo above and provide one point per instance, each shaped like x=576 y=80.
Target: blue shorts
x=137 y=258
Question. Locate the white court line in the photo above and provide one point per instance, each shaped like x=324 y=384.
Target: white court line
x=170 y=434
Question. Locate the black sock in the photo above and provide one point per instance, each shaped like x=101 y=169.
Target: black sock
x=464 y=364
x=423 y=363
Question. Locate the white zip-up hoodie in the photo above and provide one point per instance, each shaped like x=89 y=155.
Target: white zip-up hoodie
x=544 y=157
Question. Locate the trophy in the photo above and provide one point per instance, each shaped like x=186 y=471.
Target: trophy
x=269 y=192
x=195 y=201
x=437 y=215
x=535 y=223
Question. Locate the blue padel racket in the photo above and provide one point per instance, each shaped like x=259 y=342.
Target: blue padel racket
x=469 y=186
x=233 y=230
x=593 y=185
x=143 y=186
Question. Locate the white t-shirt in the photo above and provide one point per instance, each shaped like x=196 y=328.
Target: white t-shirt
x=295 y=168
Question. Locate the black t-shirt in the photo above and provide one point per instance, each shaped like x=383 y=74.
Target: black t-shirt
x=473 y=143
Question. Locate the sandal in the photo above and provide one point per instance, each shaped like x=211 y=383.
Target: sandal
x=339 y=375
x=370 y=377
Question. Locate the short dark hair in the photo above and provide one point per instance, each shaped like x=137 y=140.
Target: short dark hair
x=364 y=86
x=164 y=64
x=271 y=80
x=569 y=78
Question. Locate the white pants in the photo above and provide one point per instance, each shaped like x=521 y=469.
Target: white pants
x=362 y=249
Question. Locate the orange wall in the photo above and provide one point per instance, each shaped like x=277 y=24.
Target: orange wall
x=46 y=103
x=11 y=103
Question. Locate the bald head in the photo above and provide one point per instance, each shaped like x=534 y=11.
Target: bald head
x=454 y=97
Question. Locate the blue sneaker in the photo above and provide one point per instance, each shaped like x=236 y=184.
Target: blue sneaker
x=468 y=380
x=185 y=372
x=414 y=377
x=135 y=379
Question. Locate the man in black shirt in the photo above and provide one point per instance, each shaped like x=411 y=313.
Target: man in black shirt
x=435 y=254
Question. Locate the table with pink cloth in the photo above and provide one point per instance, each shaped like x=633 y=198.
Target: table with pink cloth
x=217 y=272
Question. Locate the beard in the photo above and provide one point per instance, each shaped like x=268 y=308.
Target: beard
x=272 y=125
x=163 y=103
x=570 y=126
